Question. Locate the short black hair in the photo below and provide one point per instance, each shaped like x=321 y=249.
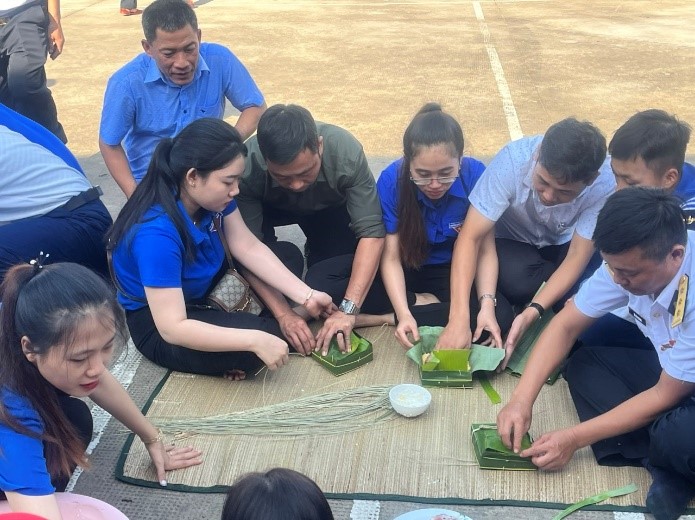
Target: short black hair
x=167 y=15
x=278 y=494
x=640 y=216
x=573 y=151
x=284 y=131
x=657 y=137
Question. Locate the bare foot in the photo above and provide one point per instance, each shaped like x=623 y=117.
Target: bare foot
x=425 y=298
x=235 y=375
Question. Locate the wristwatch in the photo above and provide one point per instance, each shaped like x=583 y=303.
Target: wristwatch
x=539 y=308
x=490 y=296
x=349 y=307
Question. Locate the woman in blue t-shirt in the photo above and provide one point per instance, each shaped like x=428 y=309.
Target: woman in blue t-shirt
x=168 y=256
x=424 y=200
x=59 y=328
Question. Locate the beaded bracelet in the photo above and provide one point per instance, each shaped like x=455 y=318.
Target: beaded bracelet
x=154 y=440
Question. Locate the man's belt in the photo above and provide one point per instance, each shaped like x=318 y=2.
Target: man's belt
x=83 y=198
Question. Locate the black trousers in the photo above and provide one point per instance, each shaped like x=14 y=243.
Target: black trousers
x=601 y=378
x=150 y=343
x=80 y=417
x=524 y=267
x=329 y=250
x=23 y=51
x=328 y=232
x=434 y=279
x=330 y=275
x=616 y=332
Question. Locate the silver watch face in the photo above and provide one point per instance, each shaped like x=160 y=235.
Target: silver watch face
x=348 y=307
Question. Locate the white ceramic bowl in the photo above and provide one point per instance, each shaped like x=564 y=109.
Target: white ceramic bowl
x=410 y=400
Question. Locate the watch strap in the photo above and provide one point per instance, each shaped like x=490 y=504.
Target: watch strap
x=538 y=307
x=349 y=307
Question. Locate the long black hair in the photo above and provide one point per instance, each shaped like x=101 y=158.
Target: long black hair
x=48 y=305
x=430 y=127
x=207 y=145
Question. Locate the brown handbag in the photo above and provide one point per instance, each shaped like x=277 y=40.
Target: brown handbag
x=232 y=293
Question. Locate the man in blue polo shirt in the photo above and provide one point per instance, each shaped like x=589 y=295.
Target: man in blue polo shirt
x=177 y=80
x=649 y=150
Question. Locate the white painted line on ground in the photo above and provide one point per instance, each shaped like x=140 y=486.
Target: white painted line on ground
x=123 y=370
x=628 y=516
x=502 y=86
x=365 y=510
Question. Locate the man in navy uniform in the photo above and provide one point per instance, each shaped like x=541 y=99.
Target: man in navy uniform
x=636 y=406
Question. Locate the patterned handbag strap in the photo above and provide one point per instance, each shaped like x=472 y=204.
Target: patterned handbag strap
x=217 y=222
x=112 y=272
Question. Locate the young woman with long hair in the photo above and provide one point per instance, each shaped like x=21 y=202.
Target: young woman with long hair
x=424 y=199
x=168 y=255
x=59 y=327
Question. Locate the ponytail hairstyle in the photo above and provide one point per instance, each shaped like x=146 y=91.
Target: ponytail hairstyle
x=48 y=305
x=430 y=127
x=207 y=145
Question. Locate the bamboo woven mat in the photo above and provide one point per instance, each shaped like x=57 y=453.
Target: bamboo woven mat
x=429 y=458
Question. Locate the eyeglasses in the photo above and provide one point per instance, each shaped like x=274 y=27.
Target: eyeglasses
x=430 y=180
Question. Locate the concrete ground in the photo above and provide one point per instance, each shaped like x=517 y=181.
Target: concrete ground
x=504 y=68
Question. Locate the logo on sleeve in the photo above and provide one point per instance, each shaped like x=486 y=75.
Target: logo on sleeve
x=456 y=226
x=665 y=346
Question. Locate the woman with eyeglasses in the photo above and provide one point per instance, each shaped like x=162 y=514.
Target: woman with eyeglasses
x=424 y=199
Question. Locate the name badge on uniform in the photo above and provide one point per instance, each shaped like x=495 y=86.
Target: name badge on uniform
x=634 y=314
x=677 y=307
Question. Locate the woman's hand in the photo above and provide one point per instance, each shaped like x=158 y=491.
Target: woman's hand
x=407 y=325
x=167 y=458
x=487 y=321
x=513 y=421
x=272 y=350
x=454 y=337
x=319 y=304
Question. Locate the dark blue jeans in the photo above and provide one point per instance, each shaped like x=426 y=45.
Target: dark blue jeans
x=67 y=236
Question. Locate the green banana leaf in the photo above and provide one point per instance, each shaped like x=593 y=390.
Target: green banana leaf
x=625 y=490
x=451 y=368
x=493 y=454
x=522 y=352
x=339 y=363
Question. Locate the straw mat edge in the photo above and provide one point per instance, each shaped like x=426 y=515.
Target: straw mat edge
x=427 y=459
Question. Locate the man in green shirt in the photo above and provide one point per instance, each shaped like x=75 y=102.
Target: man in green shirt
x=315 y=175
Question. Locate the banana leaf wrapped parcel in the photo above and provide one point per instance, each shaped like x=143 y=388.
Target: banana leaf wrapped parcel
x=339 y=363
x=493 y=454
x=450 y=368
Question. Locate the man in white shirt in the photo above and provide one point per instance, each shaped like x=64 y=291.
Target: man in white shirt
x=636 y=406
x=540 y=195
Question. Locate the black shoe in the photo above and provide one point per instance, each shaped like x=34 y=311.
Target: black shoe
x=669 y=493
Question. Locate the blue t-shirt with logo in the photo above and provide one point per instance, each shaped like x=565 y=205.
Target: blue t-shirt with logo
x=152 y=254
x=443 y=217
